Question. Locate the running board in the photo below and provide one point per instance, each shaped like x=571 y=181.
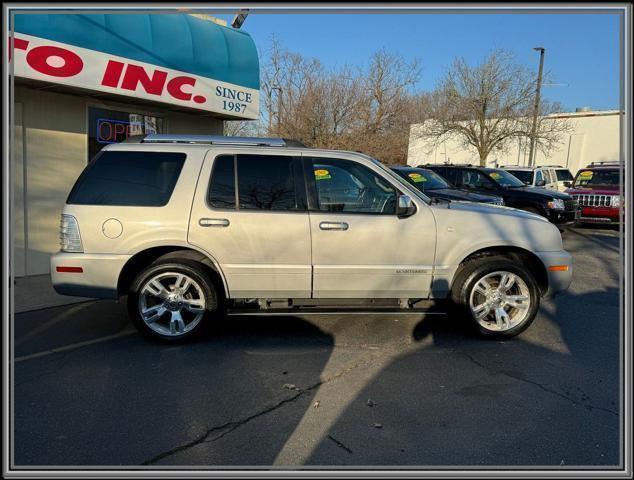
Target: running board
x=333 y=311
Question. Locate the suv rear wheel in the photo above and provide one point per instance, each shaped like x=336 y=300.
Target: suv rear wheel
x=499 y=297
x=172 y=300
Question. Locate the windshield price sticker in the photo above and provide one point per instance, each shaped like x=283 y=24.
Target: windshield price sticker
x=417 y=177
x=322 y=174
x=495 y=175
x=585 y=175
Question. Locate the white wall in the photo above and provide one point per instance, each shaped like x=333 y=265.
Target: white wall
x=595 y=138
x=52 y=128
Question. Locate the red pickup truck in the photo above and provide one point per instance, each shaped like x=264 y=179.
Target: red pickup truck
x=597 y=188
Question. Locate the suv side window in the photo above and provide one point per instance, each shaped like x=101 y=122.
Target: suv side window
x=222 y=189
x=538 y=176
x=474 y=179
x=349 y=187
x=449 y=174
x=264 y=182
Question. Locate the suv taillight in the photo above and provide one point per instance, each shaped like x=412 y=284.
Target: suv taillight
x=70 y=240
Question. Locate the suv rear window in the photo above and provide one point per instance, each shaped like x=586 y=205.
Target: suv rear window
x=564 y=176
x=139 y=179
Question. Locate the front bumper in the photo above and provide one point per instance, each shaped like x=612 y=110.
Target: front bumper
x=98 y=278
x=600 y=215
x=563 y=217
x=558 y=280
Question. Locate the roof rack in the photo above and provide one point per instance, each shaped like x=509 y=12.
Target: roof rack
x=608 y=162
x=215 y=140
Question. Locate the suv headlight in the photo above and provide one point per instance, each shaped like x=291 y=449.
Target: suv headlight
x=557 y=204
x=70 y=240
x=616 y=201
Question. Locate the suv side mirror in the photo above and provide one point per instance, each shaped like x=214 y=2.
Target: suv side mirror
x=567 y=184
x=406 y=206
x=540 y=183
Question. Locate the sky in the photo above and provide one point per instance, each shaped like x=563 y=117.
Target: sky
x=582 y=50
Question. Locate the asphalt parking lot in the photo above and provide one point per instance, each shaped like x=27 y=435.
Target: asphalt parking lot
x=329 y=390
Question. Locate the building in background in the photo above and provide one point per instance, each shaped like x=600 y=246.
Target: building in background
x=595 y=138
x=84 y=81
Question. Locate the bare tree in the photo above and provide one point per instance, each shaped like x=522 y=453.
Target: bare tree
x=344 y=108
x=487 y=105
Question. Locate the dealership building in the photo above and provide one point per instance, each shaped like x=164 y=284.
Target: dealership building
x=84 y=81
x=593 y=136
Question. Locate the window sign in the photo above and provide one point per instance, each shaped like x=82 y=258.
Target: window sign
x=114 y=126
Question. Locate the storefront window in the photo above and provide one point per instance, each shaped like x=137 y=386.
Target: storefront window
x=114 y=126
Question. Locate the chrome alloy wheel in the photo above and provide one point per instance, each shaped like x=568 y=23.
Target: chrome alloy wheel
x=500 y=301
x=171 y=303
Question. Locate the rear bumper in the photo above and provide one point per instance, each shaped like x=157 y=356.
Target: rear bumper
x=558 y=280
x=98 y=277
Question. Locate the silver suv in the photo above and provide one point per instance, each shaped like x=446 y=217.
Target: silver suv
x=190 y=227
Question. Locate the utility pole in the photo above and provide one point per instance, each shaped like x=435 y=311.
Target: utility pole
x=531 y=154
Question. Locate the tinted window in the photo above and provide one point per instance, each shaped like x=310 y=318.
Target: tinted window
x=345 y=186
x=222 y=190
x=448 y=174
x=525 y=176
x=473 y=179
x=266 y=183
x=564 y=175
x=144 y=179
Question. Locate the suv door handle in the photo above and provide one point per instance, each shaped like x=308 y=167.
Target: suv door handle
x=333 y=226
x=213 y=222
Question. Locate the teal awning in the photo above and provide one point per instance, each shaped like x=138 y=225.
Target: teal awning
x=177 y=41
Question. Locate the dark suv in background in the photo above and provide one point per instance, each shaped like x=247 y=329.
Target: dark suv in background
x=434 y=186
x=560 y=208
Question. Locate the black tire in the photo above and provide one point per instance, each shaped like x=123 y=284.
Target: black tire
x=191 y=269
x=471 y=272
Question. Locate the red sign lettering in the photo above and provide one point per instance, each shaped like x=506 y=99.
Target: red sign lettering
x=37 y=59
x=112 y=74
x=134 y=75
x=175 y=87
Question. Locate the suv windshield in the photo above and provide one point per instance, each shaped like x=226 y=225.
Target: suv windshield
x=504 y=178
x=597 y=177
x=423 y=179
x=525 y=176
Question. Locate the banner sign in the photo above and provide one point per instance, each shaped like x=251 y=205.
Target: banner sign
x=41 y=59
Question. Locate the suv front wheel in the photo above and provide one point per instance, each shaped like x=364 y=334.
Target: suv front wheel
x=172 y=300
x=500 y=297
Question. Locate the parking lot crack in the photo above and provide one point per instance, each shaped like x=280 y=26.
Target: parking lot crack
x=228 y=427
x=540 y=386
x=339 y=444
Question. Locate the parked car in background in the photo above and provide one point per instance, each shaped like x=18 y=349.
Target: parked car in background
x=558 y=207
x=564 y=179
x=434 y=186
x=541 y=176
x=187 y=227
x=597 y=188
